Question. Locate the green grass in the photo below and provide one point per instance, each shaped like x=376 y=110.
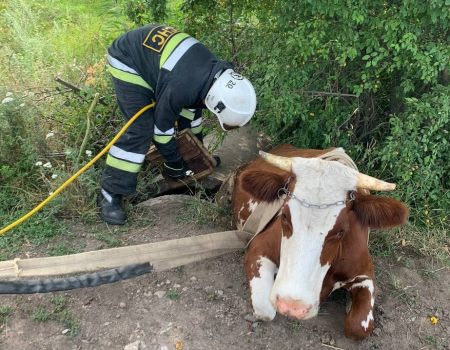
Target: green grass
x=200 y=209
x=42 y=314
x=5 y=312
x=111 y=240
x=39 y=229
x=381 y=244
x=429 y=242
x=173 y=295
x=58 y=311
x=430 y=340
x=61 y=249
x=52 y=36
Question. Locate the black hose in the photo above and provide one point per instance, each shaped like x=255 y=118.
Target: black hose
x=68 y=283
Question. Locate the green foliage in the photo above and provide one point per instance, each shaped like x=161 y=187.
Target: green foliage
x=371 y=77
x=346 y=74
x=142 y=12
x=22 y=139
x=416 y=154
x=41 y=39
x=42 y=127
x=17 y=126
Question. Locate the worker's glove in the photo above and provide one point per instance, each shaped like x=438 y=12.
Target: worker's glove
x=177 y=170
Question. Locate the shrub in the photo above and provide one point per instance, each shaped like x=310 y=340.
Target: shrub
x=364 y=76
x=416 y=154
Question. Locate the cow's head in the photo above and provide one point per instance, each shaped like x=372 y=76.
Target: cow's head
x=325 y=223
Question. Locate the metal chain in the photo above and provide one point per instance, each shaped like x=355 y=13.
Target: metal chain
x=285 y=191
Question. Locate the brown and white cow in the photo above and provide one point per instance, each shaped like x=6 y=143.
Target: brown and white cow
x=318 y=241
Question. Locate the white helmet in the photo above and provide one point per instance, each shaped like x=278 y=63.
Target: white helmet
x=232 y=99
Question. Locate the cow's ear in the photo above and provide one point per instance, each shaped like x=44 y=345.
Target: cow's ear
x=262 y=185
x=380 y=212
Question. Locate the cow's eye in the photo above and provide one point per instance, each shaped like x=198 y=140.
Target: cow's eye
x=339 y=234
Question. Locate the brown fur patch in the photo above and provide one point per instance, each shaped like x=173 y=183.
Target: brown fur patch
x=262 y=185
x=379 y=212
x=286 y=222
x=359 y=310
x=332 y=246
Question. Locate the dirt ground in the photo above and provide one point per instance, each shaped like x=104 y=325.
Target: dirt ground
x=206 y=306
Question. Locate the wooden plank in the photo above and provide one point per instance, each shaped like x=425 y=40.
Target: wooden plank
x=161 y=255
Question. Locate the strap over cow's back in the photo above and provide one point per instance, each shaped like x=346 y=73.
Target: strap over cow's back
x=339 y=155
x=261 y=216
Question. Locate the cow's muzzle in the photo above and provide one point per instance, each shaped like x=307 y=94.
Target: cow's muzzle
x=293 y=308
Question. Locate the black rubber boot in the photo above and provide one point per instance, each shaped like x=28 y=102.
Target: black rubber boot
x=111 y=208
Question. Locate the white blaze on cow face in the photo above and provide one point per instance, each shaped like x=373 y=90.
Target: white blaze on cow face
x=301 y=273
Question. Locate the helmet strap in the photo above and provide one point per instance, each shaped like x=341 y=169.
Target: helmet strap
x=218 y=74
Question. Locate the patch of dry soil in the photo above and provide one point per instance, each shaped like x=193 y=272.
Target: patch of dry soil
x=206 y=306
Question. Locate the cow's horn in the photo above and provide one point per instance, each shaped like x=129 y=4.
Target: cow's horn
x=371 y=183
x=283 y=163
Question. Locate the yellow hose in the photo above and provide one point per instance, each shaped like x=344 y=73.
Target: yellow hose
x=79 y=172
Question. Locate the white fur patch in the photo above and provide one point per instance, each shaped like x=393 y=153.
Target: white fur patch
x=241 y=221
x=260 y=290
x=365 y=324
x=340 y=284
x=252 y=205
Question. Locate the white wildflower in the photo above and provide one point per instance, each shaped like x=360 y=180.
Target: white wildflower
x=7 y=100
x=47 y=165
x=38 y=163
x=88 y=153
x=22 y=105
x=54 y=176
x=9 y=93
x=50 y=193
x=50 y=134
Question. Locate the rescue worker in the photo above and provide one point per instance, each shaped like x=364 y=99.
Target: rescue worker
x=159 y=63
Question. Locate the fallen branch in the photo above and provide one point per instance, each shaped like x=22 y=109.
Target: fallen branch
x=324 y=93
x=76 y=89
x=88 y=126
